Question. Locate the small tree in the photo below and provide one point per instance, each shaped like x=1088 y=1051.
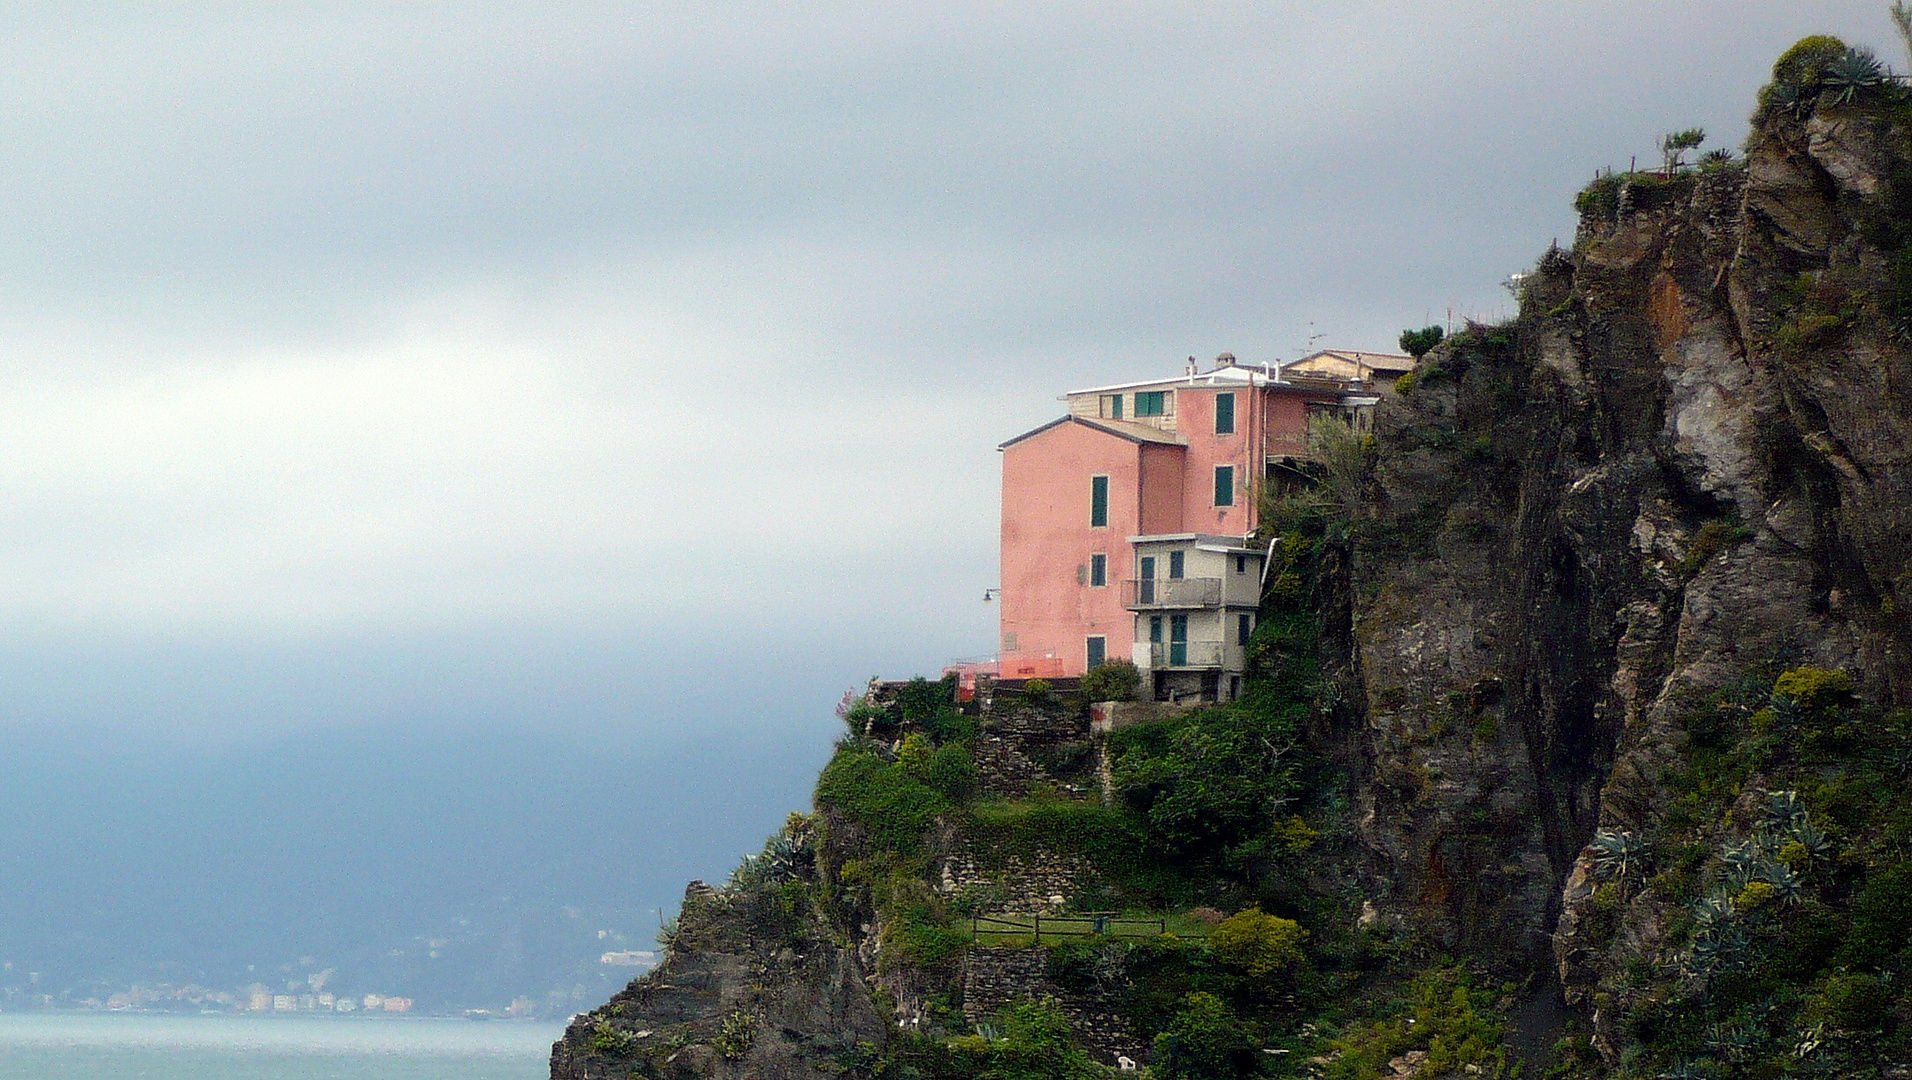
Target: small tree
x=1677 y=143
x=1113 y=680
x=1257 y=944
x=1416 y=343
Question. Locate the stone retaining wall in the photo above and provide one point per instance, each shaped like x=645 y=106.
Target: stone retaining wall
x=994 y=979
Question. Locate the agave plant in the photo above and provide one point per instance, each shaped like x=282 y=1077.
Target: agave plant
x=1786 y=712
x=1688 y=1069
x=1813 y=841
x=1782 y=813
x=1787 y=887
x=1617 y=853
x=1730 y=1041
x=1742 y=862
x=1810 y=1040
x=1789 y=98
x=1718 y=947
x=1851 y=73
x=1715 y=910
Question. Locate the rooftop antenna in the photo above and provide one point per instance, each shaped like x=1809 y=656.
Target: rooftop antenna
x=1313 y=336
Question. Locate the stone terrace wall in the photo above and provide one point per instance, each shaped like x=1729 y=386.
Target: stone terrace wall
x=994 y=978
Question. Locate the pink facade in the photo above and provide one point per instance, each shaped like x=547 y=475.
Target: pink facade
x=1161 y=469
x=1050 y=604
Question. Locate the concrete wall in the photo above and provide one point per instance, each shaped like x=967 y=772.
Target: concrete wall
x=1284 y=419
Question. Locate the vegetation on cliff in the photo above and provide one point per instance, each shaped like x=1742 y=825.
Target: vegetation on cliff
x=1574 y=739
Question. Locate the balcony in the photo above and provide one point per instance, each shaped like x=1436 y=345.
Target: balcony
x=1193 y=592
x=1184 y=654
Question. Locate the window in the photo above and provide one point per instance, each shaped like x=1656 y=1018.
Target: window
x=1009 y=641
x=1112 y=406
x=1155 y=629
x=1241 y=564
x=1098 y=570
x=1098 y=651
x=1224 y=485
x=1224 y=414
x=1176 y=564
x=1244 y=625
x=1098 y=502
x=1151 y=403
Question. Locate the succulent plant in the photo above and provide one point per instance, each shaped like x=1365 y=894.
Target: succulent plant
x=1617 y=853
x=1852 y=72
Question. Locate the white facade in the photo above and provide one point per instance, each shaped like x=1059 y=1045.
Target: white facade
x=1194 y=599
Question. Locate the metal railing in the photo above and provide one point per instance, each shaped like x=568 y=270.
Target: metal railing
x=1193 y=592
x=1185 y=654
x=1081 y=924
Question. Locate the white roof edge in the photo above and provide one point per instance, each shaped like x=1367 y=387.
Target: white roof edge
x=1203 y=541
x=1205 y=381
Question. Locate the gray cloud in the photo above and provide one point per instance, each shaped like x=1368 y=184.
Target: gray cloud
x=337 y=322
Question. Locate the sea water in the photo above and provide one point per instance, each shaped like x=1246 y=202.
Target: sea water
x=134 y=1046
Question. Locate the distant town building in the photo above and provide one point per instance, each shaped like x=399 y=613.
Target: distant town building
x=1126 y=522
x=284 y=1003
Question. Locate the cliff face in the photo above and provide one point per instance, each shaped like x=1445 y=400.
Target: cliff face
x=1548 y=635
x=1687 y=460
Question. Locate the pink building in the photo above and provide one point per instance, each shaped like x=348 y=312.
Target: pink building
x=1125 y=523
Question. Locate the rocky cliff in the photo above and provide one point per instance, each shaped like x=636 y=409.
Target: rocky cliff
x=1577 y=734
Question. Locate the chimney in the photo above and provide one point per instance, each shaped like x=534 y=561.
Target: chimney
x=1226 y=359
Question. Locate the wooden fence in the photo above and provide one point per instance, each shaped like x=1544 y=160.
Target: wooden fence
x=1080 y=924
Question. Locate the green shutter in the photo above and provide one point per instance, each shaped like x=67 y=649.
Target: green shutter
x=1115 y=406
x=1224 y=485
x=1224 y=414
x=1098 y=501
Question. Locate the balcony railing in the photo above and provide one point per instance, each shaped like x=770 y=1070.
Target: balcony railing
x=1185 y=654
x=1192 y=592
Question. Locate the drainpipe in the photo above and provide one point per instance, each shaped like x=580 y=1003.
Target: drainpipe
x=1268 y=560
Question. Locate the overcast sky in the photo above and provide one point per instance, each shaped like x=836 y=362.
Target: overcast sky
x=551 y=362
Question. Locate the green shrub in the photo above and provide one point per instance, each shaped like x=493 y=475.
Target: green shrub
x=1257 y=944
x=892 y=805
x=1206 y=781
x=1205 y=1041
x=1713 y=537
x=1034 y=1045
x=609 y=1039
x=1404 y=384
x=1803 y=64
x=1755 y=895
x=1881 y=917
x=919 y=698
x=1853 y=1002
x=1813 y=688
x=952 y=771
x=1417 y=343
x=738 y=1033
x=1036 y=689
x=1114 y=680
x=1444 y=1021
